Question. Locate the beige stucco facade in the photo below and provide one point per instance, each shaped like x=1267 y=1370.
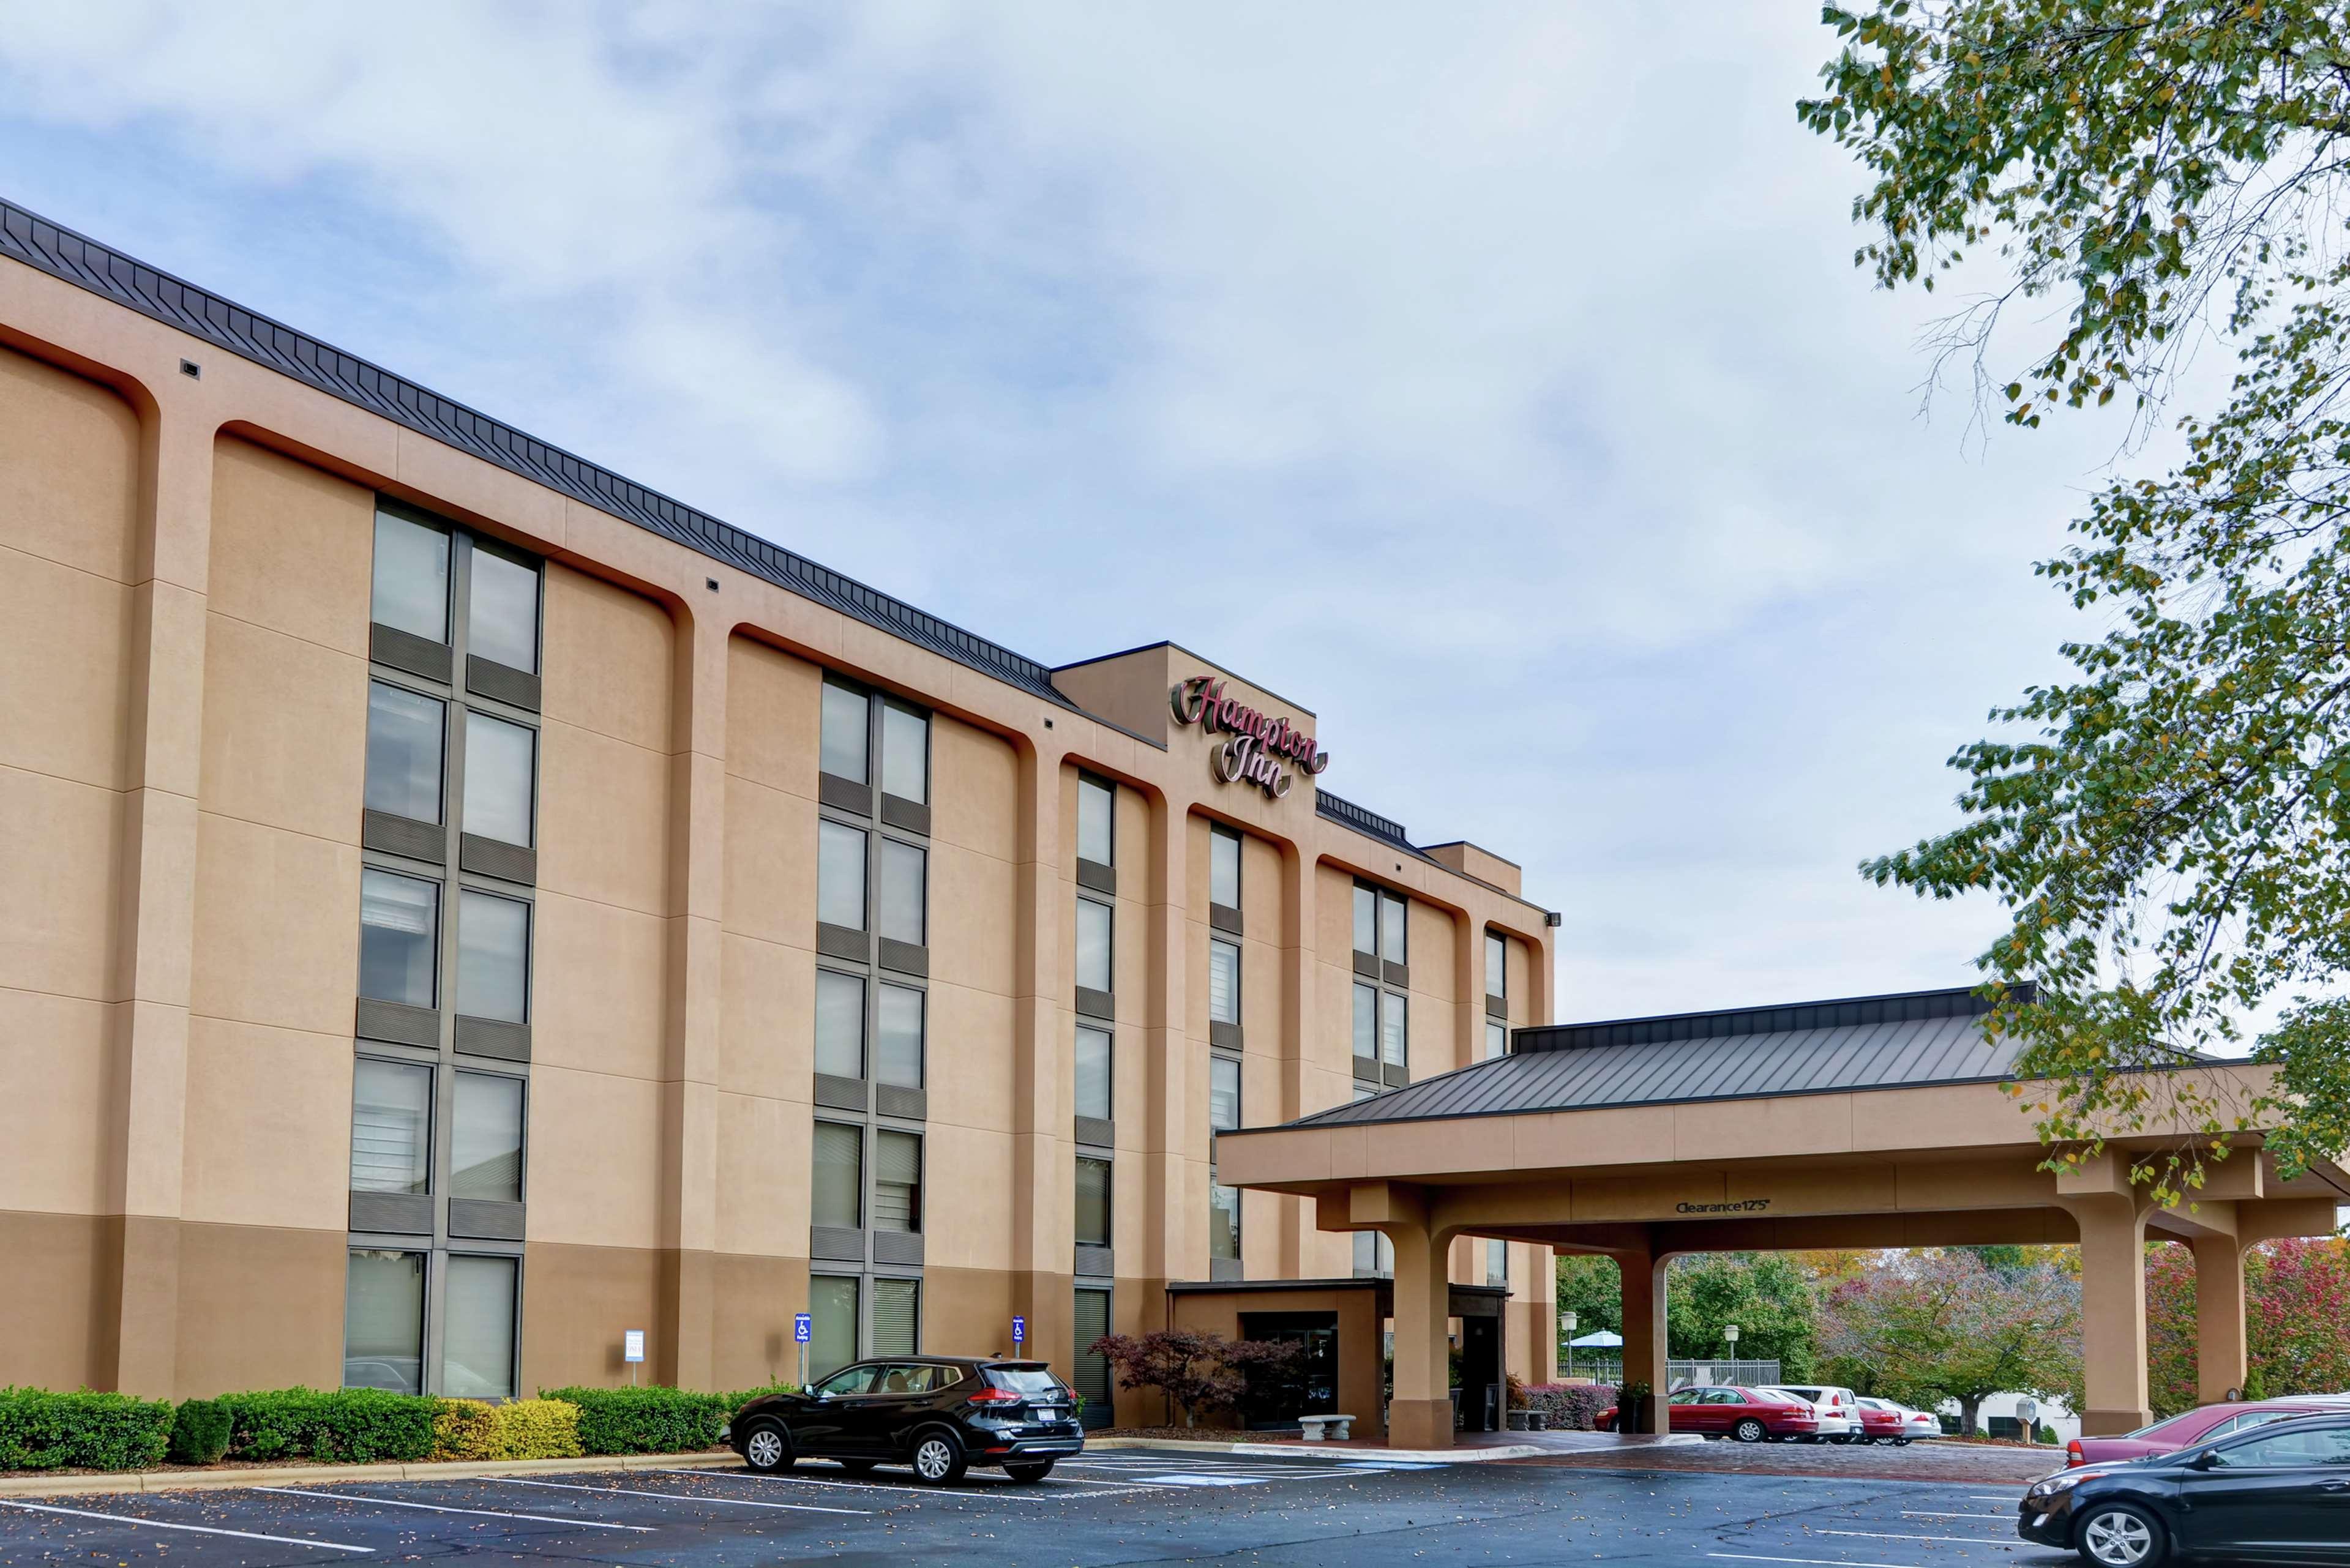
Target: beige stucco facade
x=185 y=615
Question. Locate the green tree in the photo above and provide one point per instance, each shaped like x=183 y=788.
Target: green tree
x=1767 y=1294
x=2169 y=826
x=1591 y=1287
x=1939 y=1326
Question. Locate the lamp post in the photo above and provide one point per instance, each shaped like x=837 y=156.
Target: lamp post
x=1730 y=1333
x=1567 y=1336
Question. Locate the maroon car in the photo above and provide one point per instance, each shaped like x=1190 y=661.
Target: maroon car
x=2176 y=1432
x=1749 y=1414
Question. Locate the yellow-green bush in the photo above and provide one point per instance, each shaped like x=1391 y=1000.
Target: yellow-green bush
x=518 y=1430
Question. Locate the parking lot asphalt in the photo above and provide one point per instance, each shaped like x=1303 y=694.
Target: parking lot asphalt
x=1114 y=1506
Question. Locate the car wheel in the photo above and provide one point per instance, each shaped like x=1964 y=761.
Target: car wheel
x=1898 y=1442
x=1026 y=1474
x=766 y=1450
x=1864 y=1441
x=858 y=1467
x=938 y=1457
x=1840 y=1439
x=1750 y=1430
x=2118 y=1535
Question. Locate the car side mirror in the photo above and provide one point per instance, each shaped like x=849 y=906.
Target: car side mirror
x=2209 y=1459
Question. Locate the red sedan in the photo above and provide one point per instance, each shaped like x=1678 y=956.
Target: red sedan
x=2177 y=1432
x=1749 y=1414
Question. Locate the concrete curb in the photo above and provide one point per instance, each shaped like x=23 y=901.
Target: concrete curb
x=1326 y=1450
x=323 y=1475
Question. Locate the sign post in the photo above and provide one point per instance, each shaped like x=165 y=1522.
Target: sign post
x=632 y=1351
x=802 y=1329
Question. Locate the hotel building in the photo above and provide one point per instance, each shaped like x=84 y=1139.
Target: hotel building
x=461 y=906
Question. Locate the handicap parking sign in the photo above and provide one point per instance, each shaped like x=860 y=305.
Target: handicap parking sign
x=1019 y=1330
x=800 y=1328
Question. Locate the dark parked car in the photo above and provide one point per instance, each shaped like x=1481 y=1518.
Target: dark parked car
x=936 y=1413
x=2277 y=1493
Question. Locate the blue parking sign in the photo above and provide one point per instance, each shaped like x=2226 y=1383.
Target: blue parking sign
x=1019 y=1330
x=800 y=1328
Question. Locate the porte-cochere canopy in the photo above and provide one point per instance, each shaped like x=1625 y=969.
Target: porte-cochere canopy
x=1877 y=1121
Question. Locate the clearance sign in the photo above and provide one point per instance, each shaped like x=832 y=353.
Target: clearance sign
x=1259 y=750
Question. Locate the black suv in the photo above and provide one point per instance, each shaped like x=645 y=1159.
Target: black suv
x=936 y=1413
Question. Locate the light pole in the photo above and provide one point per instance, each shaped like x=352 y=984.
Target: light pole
x=1730 y=1333
x=1567 y=1336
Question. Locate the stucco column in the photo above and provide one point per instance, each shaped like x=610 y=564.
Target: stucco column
x=157 y=898
x=1419 y=1414
x=2112 y=1215
x=685 y=1352
x=2219 y=1358
x=1043 y=1169
x=1646 y=1346
x=1297 y=1041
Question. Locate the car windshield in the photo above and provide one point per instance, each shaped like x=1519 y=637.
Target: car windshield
x=2179 y=1428
x=1029 y=1382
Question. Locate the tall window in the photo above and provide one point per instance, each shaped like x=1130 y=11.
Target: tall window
x=501 y=765
x=897 y=1317
x=479 y=1363
x=897 y=1181
x=1092 y=1071
x=839 y=1024
x=502 y=619
x=1497 y=1261
x=485 y=1151
x=391 y=1127
x=832 y=1323
x=837 y=1193
x=905 y=754
x=1097 y=824
x=400 y=938
x=1093 y=1202
x=842 y=750
x=1224 y=1116
x=840 y=875
x=1395 y=1029
x=403 y=751
x=1367 y=1027
x=492 y=957
x=898 y=1037
x=383 y=1320
x=1497 y=1039
x=1223 y=1094
x=1089 y=1373
x=1497 y=964
x=1393 y=927
x=1224 y=867
x=1094 y=945
x=904 y=869
x=411 y=577
x=1366 y=919
x=1223 y=981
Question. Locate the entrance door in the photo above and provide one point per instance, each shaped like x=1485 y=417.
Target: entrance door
x=1481 y=1374
x=1311 y=1386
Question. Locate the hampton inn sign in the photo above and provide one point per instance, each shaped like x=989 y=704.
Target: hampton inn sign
x=1260 y=750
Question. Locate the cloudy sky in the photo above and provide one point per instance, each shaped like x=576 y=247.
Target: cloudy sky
x=1493 y=379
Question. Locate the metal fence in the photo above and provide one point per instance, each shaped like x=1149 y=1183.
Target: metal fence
x=1601 y=1367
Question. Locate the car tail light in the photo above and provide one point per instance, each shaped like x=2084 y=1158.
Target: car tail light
x=995 y=1397
x=2073 y=1455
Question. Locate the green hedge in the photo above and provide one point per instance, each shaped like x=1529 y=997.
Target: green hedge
x=350 y=1426
x=44 y=1431
x=201 y=1431
x=652 y=1421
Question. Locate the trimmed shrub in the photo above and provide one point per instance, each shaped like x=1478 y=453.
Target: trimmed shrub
x=653 y=1420
x=1570 y=1405
x=44 y=1431
x=518 y=1430
x=200 y=1432
x=350 y=1426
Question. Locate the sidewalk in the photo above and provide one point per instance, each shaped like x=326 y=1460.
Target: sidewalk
x=200 y=1477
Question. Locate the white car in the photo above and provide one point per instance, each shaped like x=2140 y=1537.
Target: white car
x=1839 y=1409
x=1887 y=1421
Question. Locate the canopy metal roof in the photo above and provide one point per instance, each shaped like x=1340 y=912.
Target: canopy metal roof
x=1817 y=1047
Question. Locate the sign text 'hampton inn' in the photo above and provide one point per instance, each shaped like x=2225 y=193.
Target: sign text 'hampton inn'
x=1260 y=749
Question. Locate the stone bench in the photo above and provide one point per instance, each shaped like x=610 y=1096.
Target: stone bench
x=1318 y=1427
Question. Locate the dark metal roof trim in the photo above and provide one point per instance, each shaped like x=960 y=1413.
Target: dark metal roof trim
x=1893 y=1007
x=87 y=263
x=1370 y=824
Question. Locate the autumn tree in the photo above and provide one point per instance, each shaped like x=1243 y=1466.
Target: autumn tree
x=1928 y=1326
x=2167 y=827
x=2296 y=1320
x=1198 y=1371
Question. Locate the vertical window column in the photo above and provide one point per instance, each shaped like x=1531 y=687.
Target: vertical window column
x=1382 y=1013
x=1094 y=954
x=1223 y=1202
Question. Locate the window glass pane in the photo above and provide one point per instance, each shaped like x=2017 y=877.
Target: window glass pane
x=492 y=957
x=403 y=752
x=383 y=1322
x=1093 y=1202
x=1089 y=1372
x=1366 y=1023
x=1093 y=945
x=1224 y=868
x=477 y=1357
x=400 y=925
x=485 y=1138
x=843 y=748
x=1223 y=1094
x=1497 y=966
x=1223 y=1221
x=498 y=757
x=1223 y=981
x=832 y=1326
x=897 y=1181
x=840 y=875
x=1093 y=1072
x=839 y=1024
x=391 y=1127
x=1366 y=920
x=1097 y=834
x=897 y=1321
x=1392 y=928
x=1497 y=1039
x=905 y=762
x=411 y=577
x=1497 y=1262
x=903 y=870
x=898 y=1037
x=501 y=611
x=836 y=1194
x=1395 y=1031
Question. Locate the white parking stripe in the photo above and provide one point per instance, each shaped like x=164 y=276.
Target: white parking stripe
x=902 y=1487
x=438 y=1507
x=1888 y=1535
x=137 y=1523
x=1947 y=1513
x=1829 y=1562
x=674 y=1497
